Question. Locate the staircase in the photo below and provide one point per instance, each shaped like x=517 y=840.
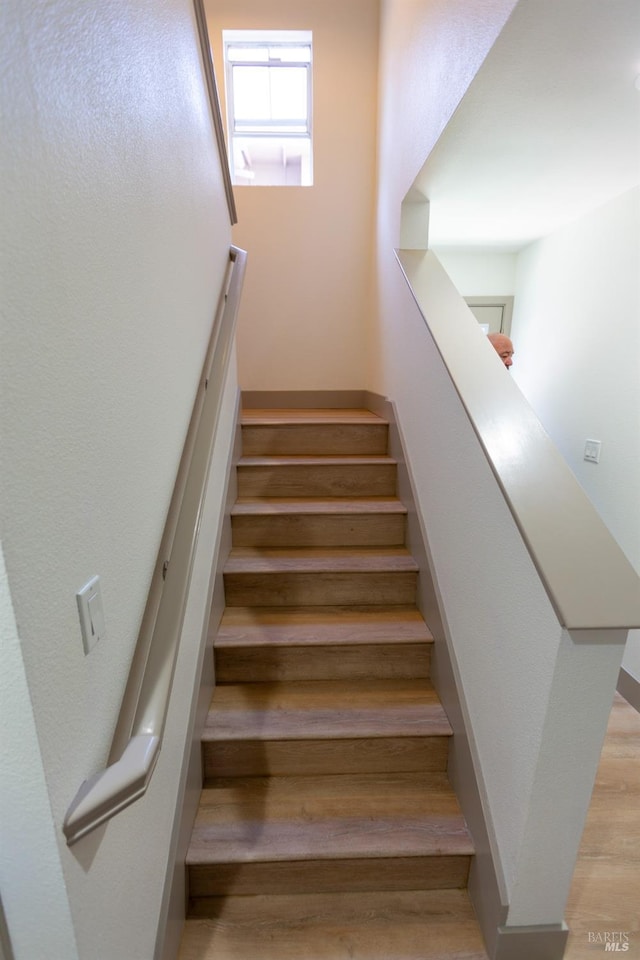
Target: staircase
x=327 y=828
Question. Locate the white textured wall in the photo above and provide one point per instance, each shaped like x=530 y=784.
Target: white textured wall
x=577 y=332
x=114 y=242
x=480 y=273
x=474 y=545
x=307 y=301
x=429 y=53
x=28 y=853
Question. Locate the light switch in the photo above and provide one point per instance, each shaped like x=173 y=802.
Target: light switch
x=91 y=613
x=592 y=451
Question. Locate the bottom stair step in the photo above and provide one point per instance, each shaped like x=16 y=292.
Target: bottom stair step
x=414 y=925
x=295 y=834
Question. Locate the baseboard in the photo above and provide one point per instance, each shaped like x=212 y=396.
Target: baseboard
x=484 y=888
x=302 y=399
x=176 y=893
x=534 y=943
x=629 y=688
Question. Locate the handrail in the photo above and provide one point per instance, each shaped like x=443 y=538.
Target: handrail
x=214 y=100
x=590 y=582
x=138 y=737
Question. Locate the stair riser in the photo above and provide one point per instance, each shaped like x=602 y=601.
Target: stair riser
x=319 y=589
x=317 y=480
x=257 y=758
x=316 y=440
x=329 y=876
x=318 y=531
x=279 y=663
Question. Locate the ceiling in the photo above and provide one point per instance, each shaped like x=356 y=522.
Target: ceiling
x=548 y=130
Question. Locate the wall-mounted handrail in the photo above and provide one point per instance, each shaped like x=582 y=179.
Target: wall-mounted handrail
x=214 y=100
x=588 y=579
x=138 y=737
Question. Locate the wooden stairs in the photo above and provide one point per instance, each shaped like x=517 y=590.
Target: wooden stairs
x=327 y=828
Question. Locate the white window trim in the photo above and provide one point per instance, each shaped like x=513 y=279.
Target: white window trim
x=262 y=38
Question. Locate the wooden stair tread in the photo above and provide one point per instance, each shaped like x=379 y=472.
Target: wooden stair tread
x=403 y=925
x=325 y=709
x=320 y=818
x=311 y=416
x=338 y=838
x=319 y=560
x=309 y=626
x=311 y=506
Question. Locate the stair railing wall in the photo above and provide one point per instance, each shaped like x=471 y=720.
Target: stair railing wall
x=587 y=577
x=548 y=598
x=139 y=729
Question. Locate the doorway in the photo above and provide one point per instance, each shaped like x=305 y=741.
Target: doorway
x=492 y=313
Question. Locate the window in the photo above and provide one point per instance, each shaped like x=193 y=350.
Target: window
x=268 y=87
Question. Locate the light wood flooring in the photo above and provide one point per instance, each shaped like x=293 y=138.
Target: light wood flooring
x=605 y=893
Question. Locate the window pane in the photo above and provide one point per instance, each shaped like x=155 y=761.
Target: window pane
x=251 y=99
x=291 y=54
x=272 y=161
x=270 y=93
x=289 y=93
x=256 y=53
x=251 y=54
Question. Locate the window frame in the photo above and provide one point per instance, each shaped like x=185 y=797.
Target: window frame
x=273 y=129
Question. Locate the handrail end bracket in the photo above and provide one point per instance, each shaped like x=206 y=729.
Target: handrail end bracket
x=112 y=789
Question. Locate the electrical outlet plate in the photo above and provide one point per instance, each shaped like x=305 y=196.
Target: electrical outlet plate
x=91 y=613
x=592 y=451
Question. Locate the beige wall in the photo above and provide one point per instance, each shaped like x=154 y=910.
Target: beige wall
x=307 y=301
x=114 y=242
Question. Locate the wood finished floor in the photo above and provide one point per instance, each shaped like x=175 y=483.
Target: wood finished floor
x=605 y=893
x=418 y=925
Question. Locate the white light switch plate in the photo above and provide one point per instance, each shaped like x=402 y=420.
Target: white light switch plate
x=592 y=451
x=91 y=613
